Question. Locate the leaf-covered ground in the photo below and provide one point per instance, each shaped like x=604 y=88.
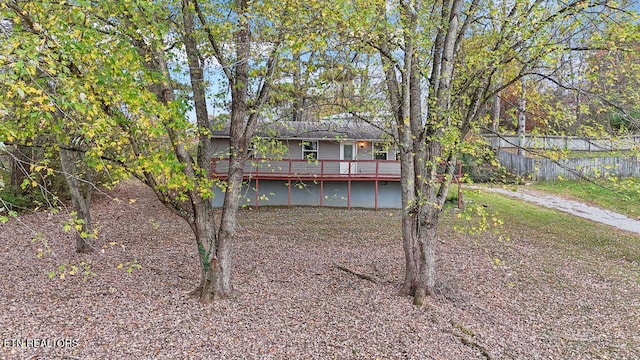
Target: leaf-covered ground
x=532 y=297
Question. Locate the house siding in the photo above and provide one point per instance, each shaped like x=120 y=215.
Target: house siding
x=364 y=150
x=327 y=150
x=271 y=192
x=220 y=148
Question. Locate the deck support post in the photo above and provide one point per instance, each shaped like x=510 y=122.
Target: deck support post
x=349 y=194
x=321 y=192
x=257 y=194
x=376 y=201
x=377 y=177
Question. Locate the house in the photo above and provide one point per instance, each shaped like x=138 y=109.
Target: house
x=336 y=163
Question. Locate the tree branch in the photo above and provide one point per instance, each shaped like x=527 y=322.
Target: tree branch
x=353 y=272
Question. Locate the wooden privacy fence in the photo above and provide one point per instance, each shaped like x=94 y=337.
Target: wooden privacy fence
x=572 y=168
x=572 y=143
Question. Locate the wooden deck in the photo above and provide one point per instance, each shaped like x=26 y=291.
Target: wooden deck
x=329 y=170
x=292 y=170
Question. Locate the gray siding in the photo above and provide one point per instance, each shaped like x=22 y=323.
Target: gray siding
x=328 y=150
x=220 y=148
x=364 y=150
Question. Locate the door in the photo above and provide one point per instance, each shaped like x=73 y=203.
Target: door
x=347 y=153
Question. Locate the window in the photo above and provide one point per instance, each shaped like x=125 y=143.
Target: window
x=310 y=150
x=380 y=151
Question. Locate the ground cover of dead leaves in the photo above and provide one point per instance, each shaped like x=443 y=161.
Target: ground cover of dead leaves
x=293 y=302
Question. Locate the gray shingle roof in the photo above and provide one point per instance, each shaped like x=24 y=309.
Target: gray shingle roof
x=315 y=130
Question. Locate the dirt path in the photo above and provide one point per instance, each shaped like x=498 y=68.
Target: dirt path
x=572 y=207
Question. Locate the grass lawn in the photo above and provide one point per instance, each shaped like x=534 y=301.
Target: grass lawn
x=569 y=235
x=622 y=195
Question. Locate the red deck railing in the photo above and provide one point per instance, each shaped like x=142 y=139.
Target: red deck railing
x=273 y=169
x=321 y=170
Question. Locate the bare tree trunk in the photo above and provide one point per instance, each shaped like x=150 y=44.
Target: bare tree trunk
x=427 y=225
x=428 y=150
x=401 y=103
x=522 y=119
x=298 y=97
x=495 y=113
x=80 y=187
x=215 y=254
x=408 y=229
x=218 y=279
x=214 y=244
x=206 y=237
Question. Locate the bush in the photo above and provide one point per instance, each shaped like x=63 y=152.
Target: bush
x=19 y=197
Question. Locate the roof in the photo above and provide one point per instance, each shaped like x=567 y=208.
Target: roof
x=315 y=130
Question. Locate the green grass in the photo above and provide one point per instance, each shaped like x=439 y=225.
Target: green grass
x=621 y=195
x=569 y=235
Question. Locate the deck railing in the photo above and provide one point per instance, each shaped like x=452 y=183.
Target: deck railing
x=321 y=170
x=276 y=169
x=262 y=168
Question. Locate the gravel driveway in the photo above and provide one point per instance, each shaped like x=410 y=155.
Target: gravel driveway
x=572 y=207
